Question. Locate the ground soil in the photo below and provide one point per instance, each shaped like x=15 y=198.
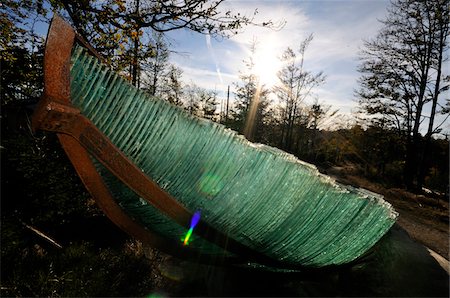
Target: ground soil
x=424 y=216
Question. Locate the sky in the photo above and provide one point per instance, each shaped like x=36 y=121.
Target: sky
x=339 y=28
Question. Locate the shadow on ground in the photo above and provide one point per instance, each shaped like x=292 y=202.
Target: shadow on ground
x=396 y=266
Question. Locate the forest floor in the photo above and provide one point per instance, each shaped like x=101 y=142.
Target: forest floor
x=425 y=217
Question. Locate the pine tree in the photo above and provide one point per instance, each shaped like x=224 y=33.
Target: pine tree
x=21 y=52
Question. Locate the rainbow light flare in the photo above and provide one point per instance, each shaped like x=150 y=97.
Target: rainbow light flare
x=195 y=219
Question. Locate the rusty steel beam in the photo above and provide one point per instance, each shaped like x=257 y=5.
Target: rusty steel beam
x=65 y=119
x=56 y=97
x=97 y=188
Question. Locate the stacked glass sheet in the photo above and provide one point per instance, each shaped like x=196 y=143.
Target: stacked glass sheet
x=260 y=196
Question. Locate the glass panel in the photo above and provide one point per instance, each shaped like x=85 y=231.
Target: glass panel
x=261 y=196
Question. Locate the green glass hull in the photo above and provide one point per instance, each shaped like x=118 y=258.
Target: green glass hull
x=258 y=195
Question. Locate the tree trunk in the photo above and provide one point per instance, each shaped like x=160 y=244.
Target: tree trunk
x=412 y=157
x=155 y=77
x=134 y=67
x=423 y=166
x=408 y=175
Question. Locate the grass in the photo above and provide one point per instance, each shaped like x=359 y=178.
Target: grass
x=32 y=268
x=41 y=189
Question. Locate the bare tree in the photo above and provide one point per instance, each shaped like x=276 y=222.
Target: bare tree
x=126 y=21
x=296 y=84
x=401 y=72
x=191 y=99
x=251 y=101
x=173 y=86
x=155 y=66
x=201 y=102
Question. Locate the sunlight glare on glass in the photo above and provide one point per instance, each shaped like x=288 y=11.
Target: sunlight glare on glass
x=267 y=62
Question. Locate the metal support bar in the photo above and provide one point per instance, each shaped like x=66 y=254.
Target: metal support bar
x=65 y=119
x=96 y=186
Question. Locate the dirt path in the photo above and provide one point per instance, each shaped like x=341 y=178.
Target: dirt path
x=427 y=233
x=426 y=219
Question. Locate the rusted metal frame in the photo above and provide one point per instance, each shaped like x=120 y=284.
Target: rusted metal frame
x=57 y=91
x=101 y=194
x=81 y=41
x=55 y=113
x=65 y=119
x=96 y=186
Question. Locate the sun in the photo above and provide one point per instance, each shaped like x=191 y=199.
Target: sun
x=267 y=62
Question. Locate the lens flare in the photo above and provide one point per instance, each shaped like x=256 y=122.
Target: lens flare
x=210 y=184
x=194 y=221
x=249 y=129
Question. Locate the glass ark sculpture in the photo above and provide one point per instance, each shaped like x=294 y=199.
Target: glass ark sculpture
x=152 y=168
